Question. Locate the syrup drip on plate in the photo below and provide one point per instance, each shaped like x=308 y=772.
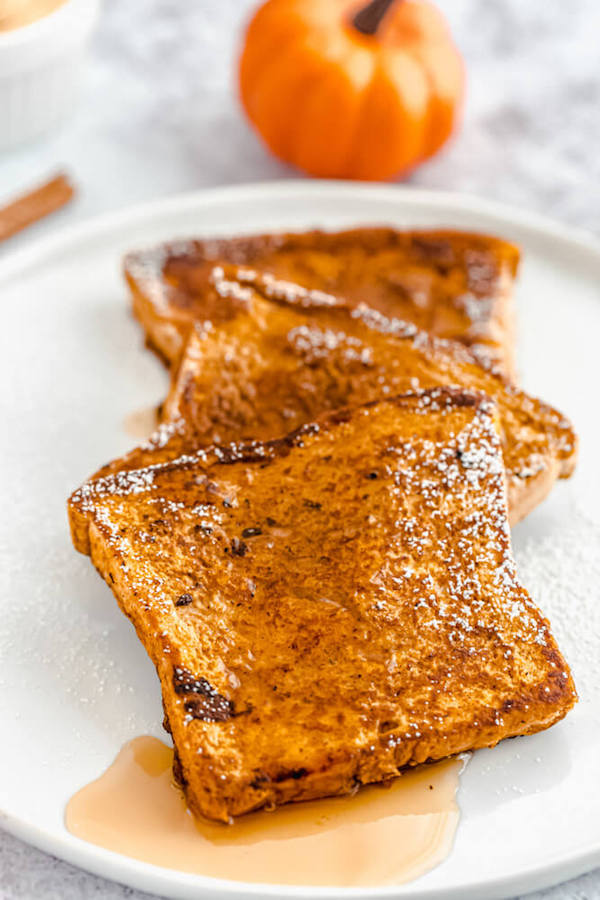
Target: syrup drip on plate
x=382 y=835
x=141 y=423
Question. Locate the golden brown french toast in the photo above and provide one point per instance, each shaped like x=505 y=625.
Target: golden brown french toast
x=283 y=355
x=453 y=284
x=326 y=609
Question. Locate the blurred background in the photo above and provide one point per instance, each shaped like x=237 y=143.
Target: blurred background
x=158 y=110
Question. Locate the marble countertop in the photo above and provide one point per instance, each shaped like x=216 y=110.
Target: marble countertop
x=157 y=115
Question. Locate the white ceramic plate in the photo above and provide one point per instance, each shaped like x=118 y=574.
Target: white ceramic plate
x=74 y=682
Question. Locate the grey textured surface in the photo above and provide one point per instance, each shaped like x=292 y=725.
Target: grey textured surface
x=157 y=115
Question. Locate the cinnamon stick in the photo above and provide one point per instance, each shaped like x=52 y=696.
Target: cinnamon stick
x=29 y=208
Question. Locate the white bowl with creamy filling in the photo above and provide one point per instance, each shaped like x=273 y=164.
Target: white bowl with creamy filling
x=42 y=44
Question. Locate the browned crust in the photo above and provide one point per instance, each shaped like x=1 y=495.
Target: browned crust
x=472 y=275
x=531 y=706
x=253 y=451
x=540 y=444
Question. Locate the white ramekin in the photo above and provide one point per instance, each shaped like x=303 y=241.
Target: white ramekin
x=40 y=70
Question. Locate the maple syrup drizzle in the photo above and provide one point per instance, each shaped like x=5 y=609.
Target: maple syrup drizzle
x=141 y=423
x=381 y=835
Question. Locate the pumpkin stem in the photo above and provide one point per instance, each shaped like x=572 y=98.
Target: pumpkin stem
x=368 y=19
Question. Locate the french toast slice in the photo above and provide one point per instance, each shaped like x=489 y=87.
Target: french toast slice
x=455 y=285
x=328 y=608
x=285 y=354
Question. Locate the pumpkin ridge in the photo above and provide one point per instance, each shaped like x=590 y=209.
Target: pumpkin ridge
x=428 y=132
x=352 y=145
x=345 y=167
x=319 y=105
x=297 y=84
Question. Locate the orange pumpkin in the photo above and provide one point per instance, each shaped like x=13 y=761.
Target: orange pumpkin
x=348 y=90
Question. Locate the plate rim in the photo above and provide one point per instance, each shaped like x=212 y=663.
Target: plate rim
x=15 y=261
x=142 y=875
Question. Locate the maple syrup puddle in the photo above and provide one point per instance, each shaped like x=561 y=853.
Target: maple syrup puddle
x=141 y=423
x=382 y=835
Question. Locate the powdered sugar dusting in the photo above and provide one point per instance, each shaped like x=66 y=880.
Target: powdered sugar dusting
x=146 y=268
x=317 y=343
x=229 y=288
x=434 y=494
x=287 y=291
x=562 y=571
